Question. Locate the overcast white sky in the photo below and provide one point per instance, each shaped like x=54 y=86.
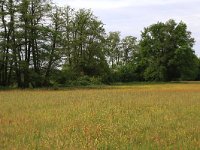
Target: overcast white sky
x=131 y=16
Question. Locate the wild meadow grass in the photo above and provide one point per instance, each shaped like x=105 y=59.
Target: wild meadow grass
x=165 y=116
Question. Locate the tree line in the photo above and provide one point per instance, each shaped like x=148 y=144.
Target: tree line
x=42 y=44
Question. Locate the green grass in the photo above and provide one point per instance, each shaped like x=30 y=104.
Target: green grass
x=165 y=116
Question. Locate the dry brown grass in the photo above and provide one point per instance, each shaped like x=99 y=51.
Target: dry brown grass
x=165 y=116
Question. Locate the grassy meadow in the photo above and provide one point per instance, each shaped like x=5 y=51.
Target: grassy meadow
x=160 y=116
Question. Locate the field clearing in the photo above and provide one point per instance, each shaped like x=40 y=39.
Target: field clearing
x=160 y=116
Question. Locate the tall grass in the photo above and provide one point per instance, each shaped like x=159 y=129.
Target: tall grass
x=163 y=116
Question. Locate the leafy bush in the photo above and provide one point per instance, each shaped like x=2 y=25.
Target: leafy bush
x=86 y=81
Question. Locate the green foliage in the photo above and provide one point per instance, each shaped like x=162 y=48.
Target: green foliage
x=86 y=81
x=129 y=73
x=65 y=76
x=166 y=50
x=155 y=73
x=42 y=44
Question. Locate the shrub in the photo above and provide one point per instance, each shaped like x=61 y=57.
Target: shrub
x=86 y=81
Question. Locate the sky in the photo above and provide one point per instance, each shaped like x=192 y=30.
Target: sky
x=131 y=16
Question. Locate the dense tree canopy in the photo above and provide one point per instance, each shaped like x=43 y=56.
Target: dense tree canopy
x=166 y=49
x=42 y=44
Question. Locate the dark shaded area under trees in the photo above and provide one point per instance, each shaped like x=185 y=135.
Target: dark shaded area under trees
x=42 y=44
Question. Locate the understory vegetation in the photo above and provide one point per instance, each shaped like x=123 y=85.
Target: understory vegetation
x=44 y=45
